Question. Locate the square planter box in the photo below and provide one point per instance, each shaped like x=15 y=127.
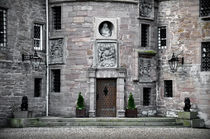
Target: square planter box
x=131 y=113
x=81 y=113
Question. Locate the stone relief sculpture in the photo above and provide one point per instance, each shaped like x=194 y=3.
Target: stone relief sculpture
x=144 y=69
x=106 y=54
x=105 y=30
x=56 y=51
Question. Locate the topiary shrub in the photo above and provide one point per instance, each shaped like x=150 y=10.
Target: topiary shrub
x=80 y=102
x=131 y=103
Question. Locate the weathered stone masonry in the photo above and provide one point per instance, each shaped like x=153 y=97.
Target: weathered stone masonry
x=78 y=50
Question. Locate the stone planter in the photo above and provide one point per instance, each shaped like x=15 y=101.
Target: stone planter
x=81 y=113
x=131 y=112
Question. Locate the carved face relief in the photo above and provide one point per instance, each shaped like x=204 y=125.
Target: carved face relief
x=106 y=54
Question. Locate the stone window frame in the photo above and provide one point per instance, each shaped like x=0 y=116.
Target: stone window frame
x=51 y=79
x=5 y=15
x=52 y=26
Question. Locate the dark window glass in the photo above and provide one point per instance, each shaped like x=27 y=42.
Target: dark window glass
x=146 y=96
x=204 y=8
x=168 y=88
x=37 y=87
x=162 y=37
x=56 y=80
x=56 y=17
x=205 y=56
x=144 y=35
x=3 y=28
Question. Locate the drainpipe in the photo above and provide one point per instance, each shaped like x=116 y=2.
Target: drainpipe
x=47 y=59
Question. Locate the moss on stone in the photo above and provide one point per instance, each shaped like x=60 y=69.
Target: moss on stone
x=152 y=52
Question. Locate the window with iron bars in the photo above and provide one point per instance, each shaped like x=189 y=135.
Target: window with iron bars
x=56 y=11
x=168 y=88
x=205 y=56
x=204 y=8
x=3 y=28
x=55 y=80
x=162 y=37
x=38 y=36
x=146 y=96
x=144 y=35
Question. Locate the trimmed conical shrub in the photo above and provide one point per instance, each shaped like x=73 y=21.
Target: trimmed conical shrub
x=80 y=102
x=131 y=103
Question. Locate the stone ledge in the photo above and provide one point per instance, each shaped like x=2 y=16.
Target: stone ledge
x=122 y=1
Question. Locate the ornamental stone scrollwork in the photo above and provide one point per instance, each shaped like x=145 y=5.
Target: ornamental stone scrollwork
x=106 y=54
x=145 y=8
x=56 y=51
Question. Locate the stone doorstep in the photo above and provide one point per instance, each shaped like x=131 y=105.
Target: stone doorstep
x=187 y=115
x=194 y=123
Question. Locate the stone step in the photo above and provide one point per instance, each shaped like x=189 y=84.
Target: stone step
x=107 y=122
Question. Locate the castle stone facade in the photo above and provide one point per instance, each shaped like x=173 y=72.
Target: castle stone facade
x=105 y=50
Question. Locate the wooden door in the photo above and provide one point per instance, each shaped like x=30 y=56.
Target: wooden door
x=106 y=98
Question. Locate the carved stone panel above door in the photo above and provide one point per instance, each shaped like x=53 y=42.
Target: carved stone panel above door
x=106 y=55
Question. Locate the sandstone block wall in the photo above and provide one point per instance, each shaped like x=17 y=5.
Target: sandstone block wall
x=17 y=77
x=185 y=32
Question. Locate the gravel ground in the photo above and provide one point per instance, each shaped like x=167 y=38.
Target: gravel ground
x=106 y=133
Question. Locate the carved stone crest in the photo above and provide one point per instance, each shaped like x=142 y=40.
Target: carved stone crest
x=56 y=51
x=106 y=54
x=145 y=68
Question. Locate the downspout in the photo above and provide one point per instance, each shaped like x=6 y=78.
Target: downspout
x=47 y=59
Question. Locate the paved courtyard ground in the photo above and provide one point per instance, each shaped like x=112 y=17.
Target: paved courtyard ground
x=104 y=133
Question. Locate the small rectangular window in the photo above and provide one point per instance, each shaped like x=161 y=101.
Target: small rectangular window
x=144 y=35
x=3 y=28
x=146 y=96
x=56 y=80
x=56 y=17
x=162 y=37
x=38 y=36
x=205 y=56
x=37 y=87
x=204 y=8
x=168 y=88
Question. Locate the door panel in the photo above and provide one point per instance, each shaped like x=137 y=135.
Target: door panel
x=106 y=98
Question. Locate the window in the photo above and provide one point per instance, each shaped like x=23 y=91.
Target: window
x=56 y=17
x=204 y=8
x=56 y=80
x=168 y=88
x=162 y=37
x=146 y=96
x=144 y=35
x=205 y=56
x=37 y=87
x=3 y=28
x=38 y=36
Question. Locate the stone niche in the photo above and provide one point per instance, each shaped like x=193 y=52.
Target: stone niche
x=105 y=28
x=56 y=51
